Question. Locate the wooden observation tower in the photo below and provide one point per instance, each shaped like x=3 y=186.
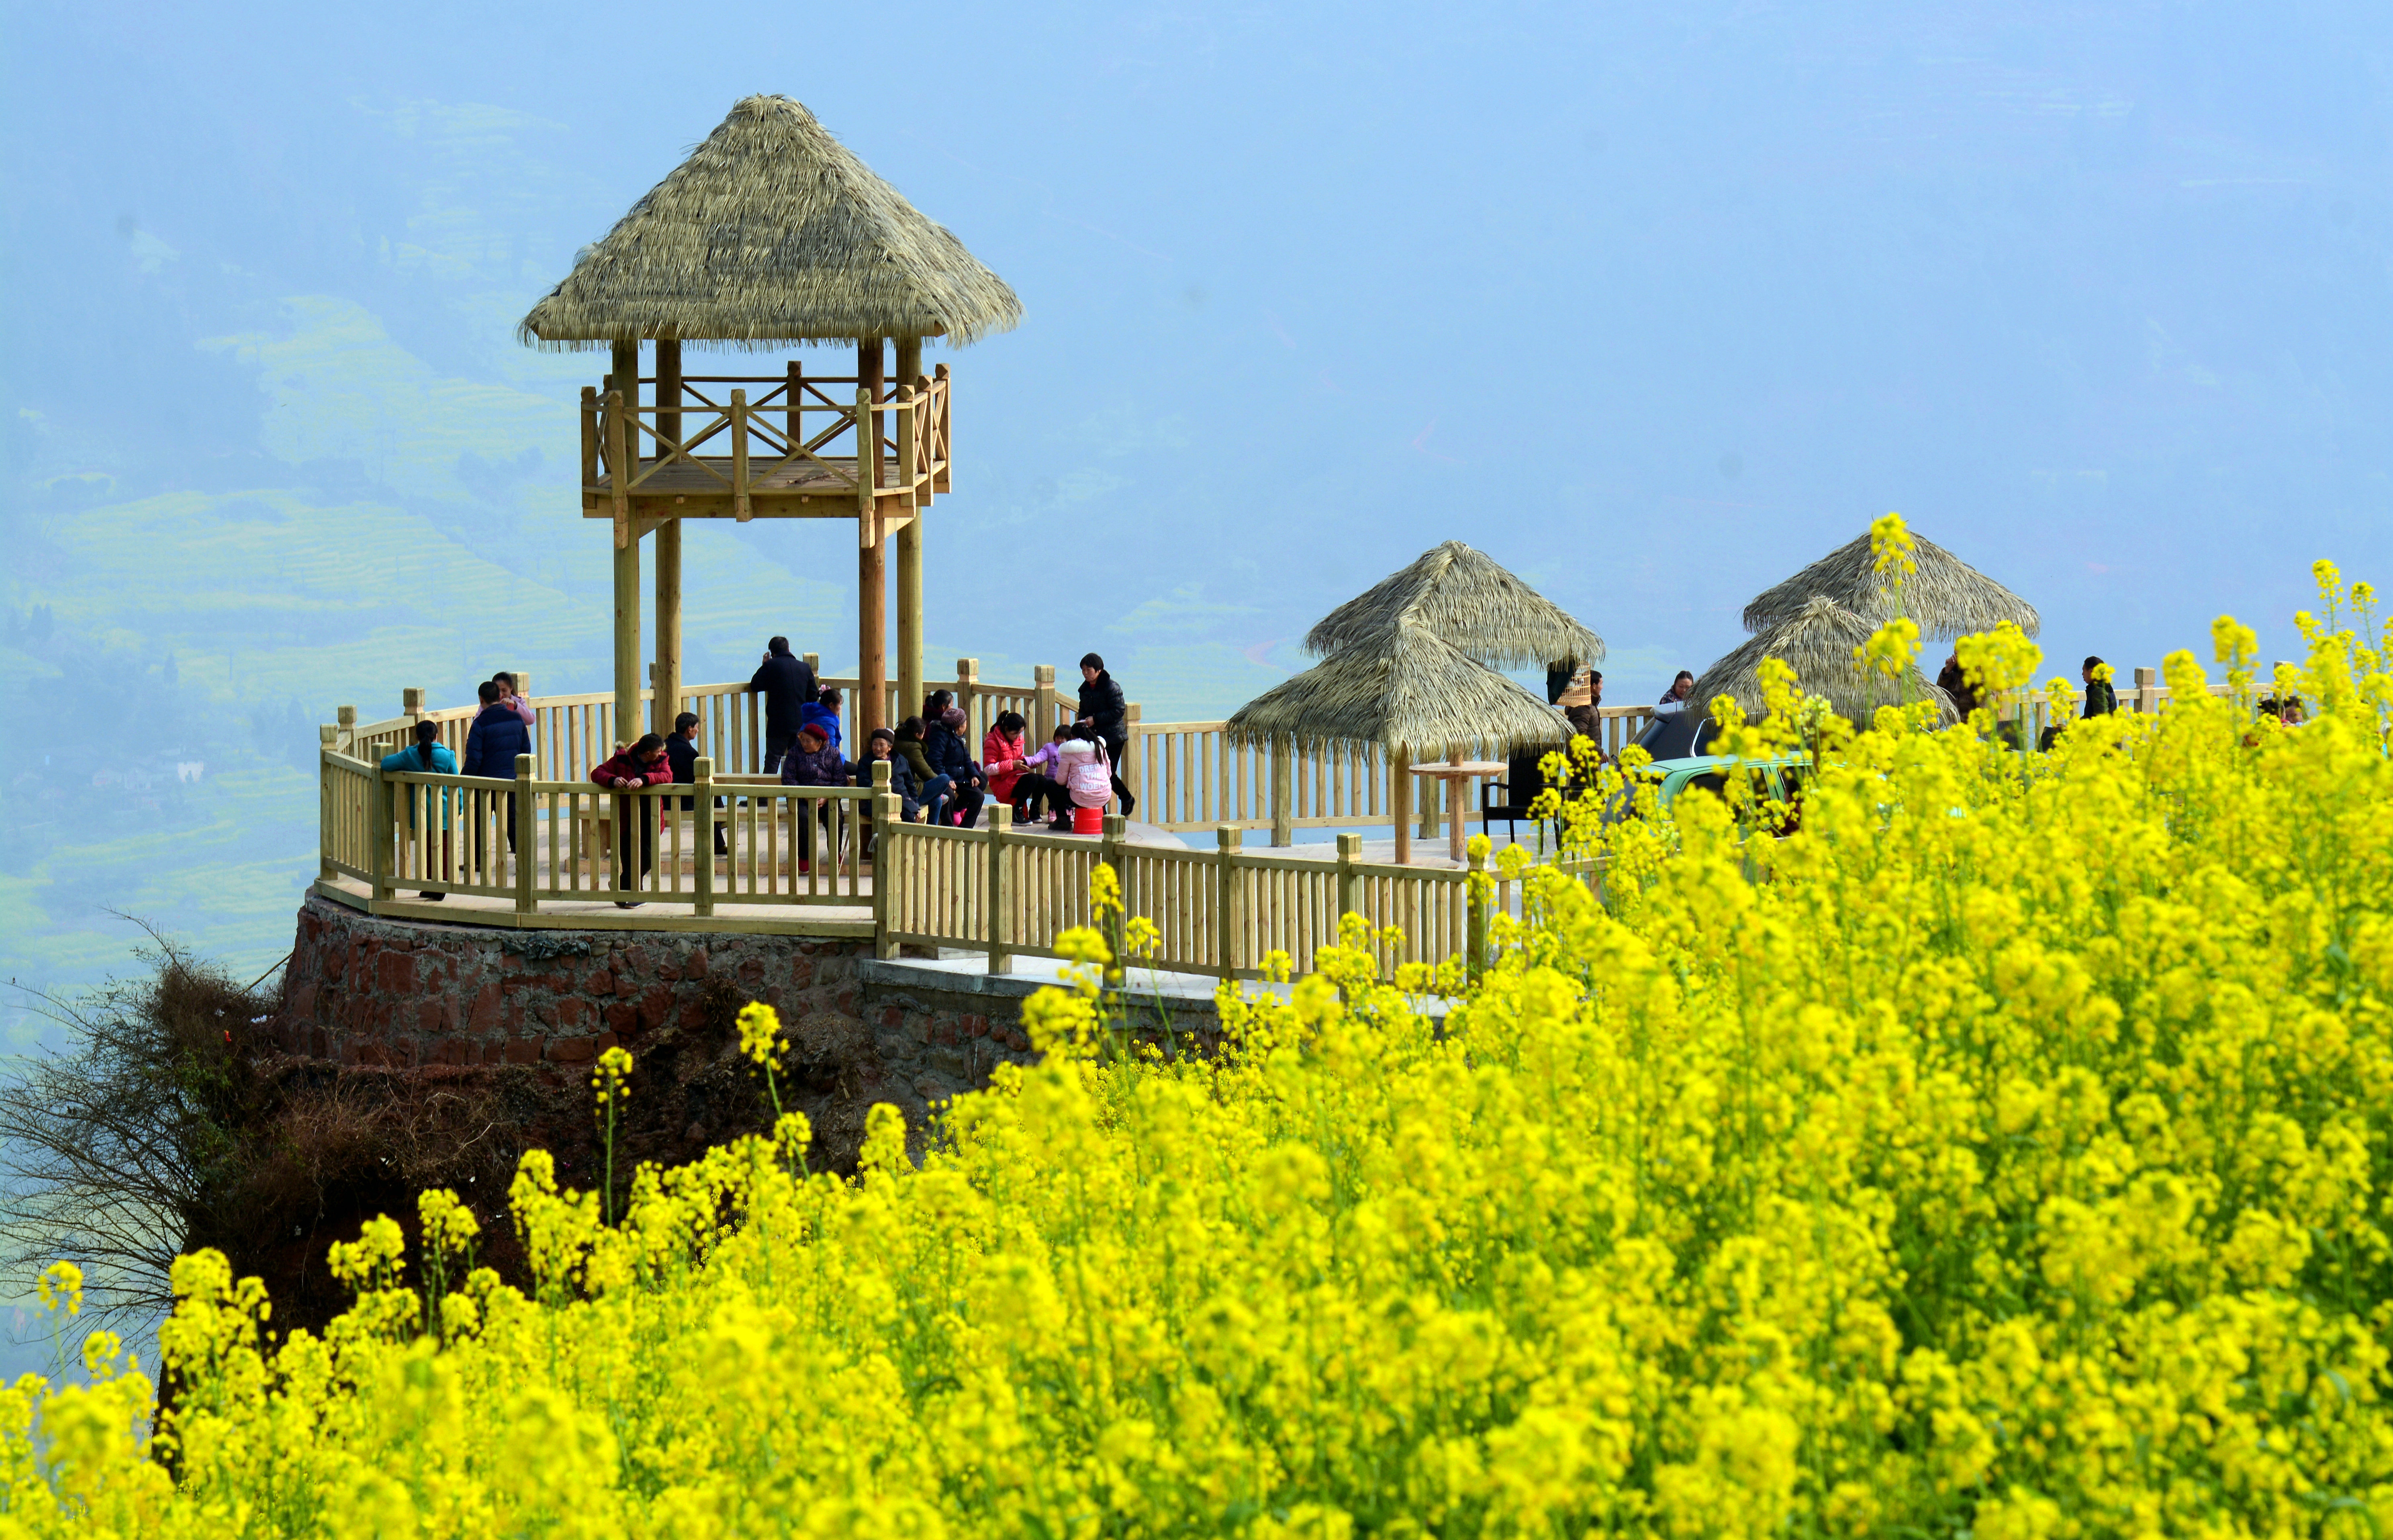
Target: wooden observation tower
x=771 y=234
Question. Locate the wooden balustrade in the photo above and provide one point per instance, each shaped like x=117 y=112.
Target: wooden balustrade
x=721 y=442
x=1217 y=912
x=528 y=841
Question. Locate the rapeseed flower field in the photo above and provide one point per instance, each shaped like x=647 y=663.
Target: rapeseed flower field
x=1999 y=1144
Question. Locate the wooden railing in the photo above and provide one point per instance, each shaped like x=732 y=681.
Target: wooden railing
x=1189 y=775
x=1217 y=912
x=821 y=434
x=527 y=840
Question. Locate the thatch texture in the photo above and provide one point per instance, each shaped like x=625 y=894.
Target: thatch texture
x=1409 y=690
x=1946 y=596
x=1467 y=599
x=1819 y=641
x=772 y=232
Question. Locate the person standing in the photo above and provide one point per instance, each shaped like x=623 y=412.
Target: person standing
x=788 y=686
x=1954 y=682
x=430 y=756
x=499 y=734
x=2100 y=699
x=1102 y=708
x=681 y=752
x=642 y=765
x=1582 y=702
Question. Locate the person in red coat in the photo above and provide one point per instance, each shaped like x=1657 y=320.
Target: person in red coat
x=643 y=764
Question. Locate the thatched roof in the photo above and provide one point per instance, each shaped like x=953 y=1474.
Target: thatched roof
x=1469 y=601
x=772 y=232
x=1947 y=596
x=1410 y=690
x=1819 y=641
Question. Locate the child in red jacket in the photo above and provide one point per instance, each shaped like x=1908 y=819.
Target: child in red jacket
x=643 y=764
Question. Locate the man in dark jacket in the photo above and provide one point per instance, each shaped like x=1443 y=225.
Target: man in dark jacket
x=497 y=736
x=681 y=752
x=1102 y=708
x=788 y=686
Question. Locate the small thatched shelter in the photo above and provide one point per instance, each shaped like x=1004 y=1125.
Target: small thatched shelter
x=772 y=231
x=1409 y=692
x=1819 y=641
x=1466 y=599
x=1946 y=595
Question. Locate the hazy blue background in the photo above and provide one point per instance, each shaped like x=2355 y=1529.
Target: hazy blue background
x=1654 y=304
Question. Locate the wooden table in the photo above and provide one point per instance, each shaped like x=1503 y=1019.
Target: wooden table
x=1458 y=773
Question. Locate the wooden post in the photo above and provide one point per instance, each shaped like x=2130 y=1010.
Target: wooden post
x=967 y=686
x=345 y=718
x=627 y=641
x=1001 y=824
x=1227 y=839
x=872 y=574
x=411 y=702
x=668 y=397
x=1349 y=850
x=1133 y=752
x=910 y=537
x=622 y=446
x=1042 y=706
x=703 y=826
x=740 y=509
x=910 y=684
x=886 y=814
x=1283 y=791
x=1452 y=786
x=1113 y=834
x=589 y=437
x=666 y=702
x=1400 y=792
x=1475 y=890
x=382 y=829
x=2148 y=695
x=525 y=821
x=792 y=389
x=324 y=872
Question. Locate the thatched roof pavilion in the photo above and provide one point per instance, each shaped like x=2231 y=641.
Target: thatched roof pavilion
x=1819 y=641
x=773 y=232
x=1466 y=599
x=1413 y=693
x=1946 y=595
x=1409 y=692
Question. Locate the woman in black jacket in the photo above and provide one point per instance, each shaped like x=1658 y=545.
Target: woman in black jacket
x=943 y=745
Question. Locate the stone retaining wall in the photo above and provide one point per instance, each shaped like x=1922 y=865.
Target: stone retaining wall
x=406 y=994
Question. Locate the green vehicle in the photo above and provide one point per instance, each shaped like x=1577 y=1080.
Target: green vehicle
x=1779 y=779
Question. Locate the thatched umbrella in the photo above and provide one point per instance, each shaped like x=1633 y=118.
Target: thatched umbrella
x=772 y=231
x=1467 y=599
x=1409 y=692
x=1819 y=641
x=1946 y=595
